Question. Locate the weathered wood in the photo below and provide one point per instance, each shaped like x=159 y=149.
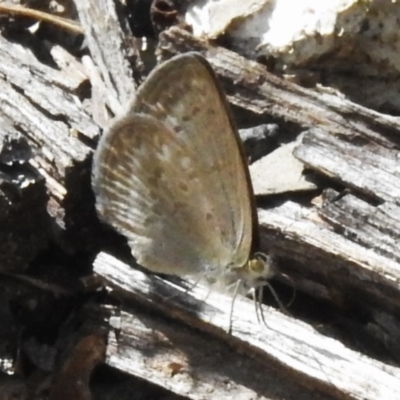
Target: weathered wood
x=193 y=364
x=333 y=260
x=359 y=164
x=349 y=258
x=111 y=50
x=251 y=87
x=42 y=103
x=374 y=227
x=353 y=145
x=297 y=352
x=284 y=172
x=37 y=98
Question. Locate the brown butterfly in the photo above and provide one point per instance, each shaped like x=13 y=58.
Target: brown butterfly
x=170 y=174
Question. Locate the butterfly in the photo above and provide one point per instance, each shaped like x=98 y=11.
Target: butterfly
x=170 y=174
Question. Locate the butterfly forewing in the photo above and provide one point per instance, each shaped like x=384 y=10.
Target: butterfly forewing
x=170 y=174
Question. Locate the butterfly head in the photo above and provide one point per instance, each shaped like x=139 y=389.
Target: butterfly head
x=255 y=272
x=252 y=275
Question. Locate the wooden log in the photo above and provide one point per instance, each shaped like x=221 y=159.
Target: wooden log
x=299 y=356
x=344 y=252
x=354 y=146
x=250 y=86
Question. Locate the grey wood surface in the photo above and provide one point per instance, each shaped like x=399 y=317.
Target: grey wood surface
x=336 y=242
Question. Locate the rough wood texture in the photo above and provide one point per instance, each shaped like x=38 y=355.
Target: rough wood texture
x=249 y=86
x=110 y=50
x=193 y=364
x=284 y=343
x=354 y=146
x=342 y=252
x=41 y=102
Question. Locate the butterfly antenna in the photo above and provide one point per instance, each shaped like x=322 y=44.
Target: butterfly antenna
x=274 y=294
x=294 y=292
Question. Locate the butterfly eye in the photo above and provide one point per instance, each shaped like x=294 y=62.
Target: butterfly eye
x=256 y=265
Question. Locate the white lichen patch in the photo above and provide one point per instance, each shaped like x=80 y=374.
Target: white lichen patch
x=354 y=43
x=289 y=29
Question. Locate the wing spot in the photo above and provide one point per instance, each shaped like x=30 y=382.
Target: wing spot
x=183 y=187
x=155 y=177
x=196 y=110
x=178 y=128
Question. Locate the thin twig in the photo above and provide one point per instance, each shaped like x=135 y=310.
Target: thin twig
x=74 y=27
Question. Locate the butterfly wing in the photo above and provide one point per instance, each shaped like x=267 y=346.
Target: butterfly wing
x=170 y=174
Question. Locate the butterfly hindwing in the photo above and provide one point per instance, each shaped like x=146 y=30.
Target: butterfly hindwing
x=171 y=177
